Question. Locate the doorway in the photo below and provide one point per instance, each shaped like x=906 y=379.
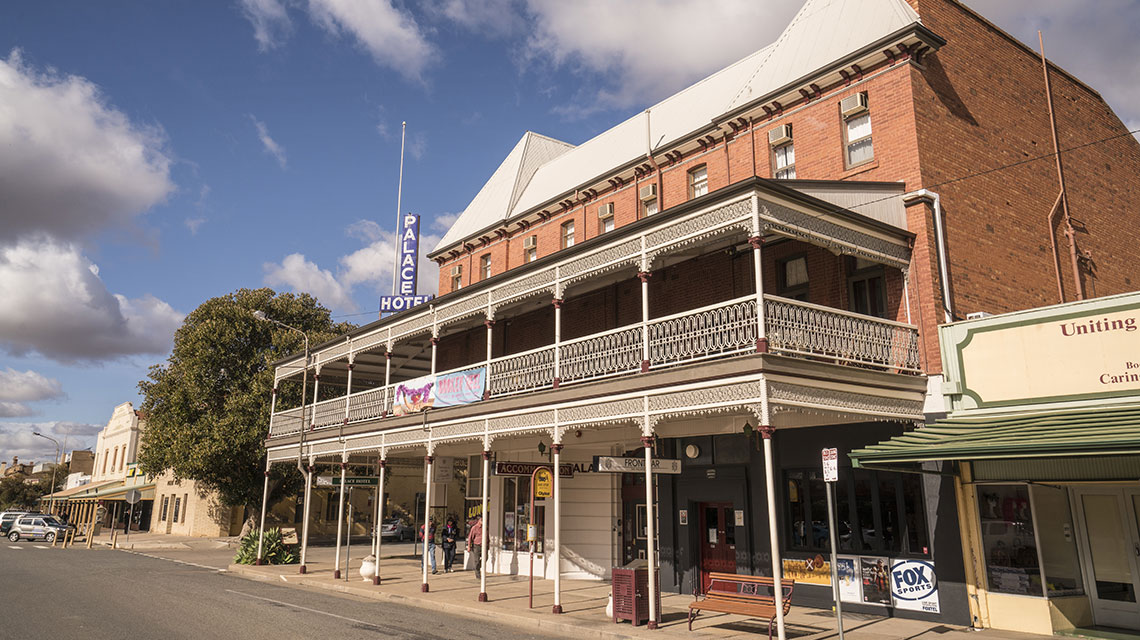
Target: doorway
x=718 y=539
x=1109 y=521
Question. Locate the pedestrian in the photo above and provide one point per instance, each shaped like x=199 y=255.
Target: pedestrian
x=475 y=543
x=429 y=542
x=450 y=534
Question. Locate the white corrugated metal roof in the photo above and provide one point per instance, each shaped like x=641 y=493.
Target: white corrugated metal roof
x=502 y=190
x=822 y=32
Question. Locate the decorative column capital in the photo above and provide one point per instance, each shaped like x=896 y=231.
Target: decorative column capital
x=557 y=302
x=343 y=466
x=312 y=468
x=266 y=473
x=317 y=377
x=274 y=390
x=434 y=340
x=648 y=441
x=767 y=431
x=429 y=459
x=756 y=241
x=383 y=463
x=486 y=454
x=351 y=366
x=644 y=276
x=488 y=323
x=387 y=355
x=556 y=448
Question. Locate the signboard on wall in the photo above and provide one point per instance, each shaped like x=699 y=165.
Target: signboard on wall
x=1077 y=351
x=527 y=468
x=437 y=392
x=815 y=570
x=875 y=580
x=611 y=464
x=914 y=586
x=850 y=587
x=406 y=269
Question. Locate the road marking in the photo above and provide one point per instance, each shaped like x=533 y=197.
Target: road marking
x=14 y=546
x=189 y=564
x=40 y=546
x=297 y=606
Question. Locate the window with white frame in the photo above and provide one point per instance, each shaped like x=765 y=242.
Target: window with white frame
x=784 y=159
x=650 y=207
x=568 y=234
x=857 y=133
x=530 y=249
x=456 y=277
x=698 y=182
x=606 y=222
x=485 y=266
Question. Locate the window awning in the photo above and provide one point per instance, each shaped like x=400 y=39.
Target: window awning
x=1099 y=431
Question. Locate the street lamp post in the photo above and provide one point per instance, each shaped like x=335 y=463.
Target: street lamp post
x=54 y=467
x=260 y=315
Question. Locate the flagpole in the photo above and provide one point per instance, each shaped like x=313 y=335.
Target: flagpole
x=399 y=207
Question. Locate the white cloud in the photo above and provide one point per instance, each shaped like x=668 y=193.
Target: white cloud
x=15 y=410
x=71 y=164
x=369 y=267
x=18 y=387
x=267 y=141
x=493 y=17
x=193 y=224
x=417 y=146
x=443 y=221
x=271 y=24
x=17 y=439
x=391 y=36
x=56 y=305
x=608 y=41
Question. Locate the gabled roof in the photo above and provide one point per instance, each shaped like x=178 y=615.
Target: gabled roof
x=501 y=192
x=822 y=32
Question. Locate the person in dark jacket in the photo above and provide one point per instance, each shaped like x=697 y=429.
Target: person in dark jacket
x=450 y=534
x=429 y=541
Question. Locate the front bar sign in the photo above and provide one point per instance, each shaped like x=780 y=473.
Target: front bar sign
x=611 y=464
x=406 y=297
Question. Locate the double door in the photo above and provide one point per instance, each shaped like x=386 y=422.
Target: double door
x=718 y=539
x=1109 y=520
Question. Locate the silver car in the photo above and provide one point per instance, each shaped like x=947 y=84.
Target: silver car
x=33 y=527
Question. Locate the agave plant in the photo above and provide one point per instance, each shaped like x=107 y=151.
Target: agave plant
x=274 y=550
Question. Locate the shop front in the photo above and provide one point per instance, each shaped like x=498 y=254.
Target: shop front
x=1043 y=441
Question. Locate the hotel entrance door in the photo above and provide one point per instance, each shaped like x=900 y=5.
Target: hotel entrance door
x=1109 y=520
x=718 y=539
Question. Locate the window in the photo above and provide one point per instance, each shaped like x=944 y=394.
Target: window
x=857 y=133
x=115 y=460
x=606 y=222
x=567 y=234
x=106 y=456
x=530 y=248
x=177 y=508
x=793 y=278
x=784 y=159
x=485 y=266
x=1008 y=541
x=698 y=182
x=516 y=515
x=165 y=504
x=185 y=505
x=649 y=207
x=866 y=288
x=876 y=512
x=456 y=277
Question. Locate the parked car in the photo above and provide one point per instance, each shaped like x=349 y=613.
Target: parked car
x=38 y=526
x=395 y=528
x=7 y=519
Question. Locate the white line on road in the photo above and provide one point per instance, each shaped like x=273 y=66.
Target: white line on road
x=297 y=606
x=189 y=564
x=40 y=546
x=14 y=546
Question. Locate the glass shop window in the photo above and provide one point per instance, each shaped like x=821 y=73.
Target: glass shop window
x=1059 y=560
x=516 y=515
x=1006 y=520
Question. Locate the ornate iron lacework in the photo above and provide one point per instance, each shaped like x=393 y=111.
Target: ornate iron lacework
x=335 y=352
x=521 y=420
x=461 y=309
x=817 y=230
x=412 y=325
x=524 y=286
x=602 y=410
x=460 y=431
x=782 y=392
x=369 y=443
x=669 y=237
x=754 y=408
x=611 y=259
x=283 y=454
x=361 y=345
x=739 y=392
x=397 y=437
x=326 y=448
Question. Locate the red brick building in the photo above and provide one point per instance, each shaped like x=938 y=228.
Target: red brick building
x=750 y=270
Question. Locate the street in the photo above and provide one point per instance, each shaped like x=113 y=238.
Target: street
x=102 y=593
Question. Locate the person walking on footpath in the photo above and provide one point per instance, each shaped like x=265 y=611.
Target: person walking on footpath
x=475 y=542
x=450 y=534
x=429 y=540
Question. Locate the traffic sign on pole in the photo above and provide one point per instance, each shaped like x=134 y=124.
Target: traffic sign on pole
x=830 y=477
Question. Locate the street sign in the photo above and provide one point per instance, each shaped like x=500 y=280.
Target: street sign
x=565 y=470
x=543 y=483
x=831 y=465
x=610 y=464
x=133 y=496
x=349 y=481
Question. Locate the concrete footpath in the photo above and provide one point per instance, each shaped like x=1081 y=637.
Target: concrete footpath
x=583 y=603
x=144 y=541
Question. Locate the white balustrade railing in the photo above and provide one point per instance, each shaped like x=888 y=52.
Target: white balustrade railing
x=802 y=328
x=524 y=371
x=600 y=355
x=717 y=330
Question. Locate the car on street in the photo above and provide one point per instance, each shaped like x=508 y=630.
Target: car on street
x=38 y=526
x=395 y=528
x=7 y=519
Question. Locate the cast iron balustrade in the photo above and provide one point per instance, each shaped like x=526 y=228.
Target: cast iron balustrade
x=721 y=330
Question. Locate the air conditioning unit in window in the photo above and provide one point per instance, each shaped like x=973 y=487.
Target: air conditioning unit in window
x=978 y=315
x=780 y=135
x=456 y=270
x=852 y=105
x=530 y=242
x=606 y=210
x=649 y=192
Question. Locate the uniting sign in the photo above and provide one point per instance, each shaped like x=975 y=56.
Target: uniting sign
x=406 y=297
x=436 y=392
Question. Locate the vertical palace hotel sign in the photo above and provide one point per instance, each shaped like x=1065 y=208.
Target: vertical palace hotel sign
x=405 y=297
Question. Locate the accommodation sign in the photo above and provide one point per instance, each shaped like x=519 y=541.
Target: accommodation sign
x=1077 y=351
x=527 y=468
x=409 y=241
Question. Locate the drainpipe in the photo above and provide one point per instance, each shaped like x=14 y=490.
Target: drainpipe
x=940 y=244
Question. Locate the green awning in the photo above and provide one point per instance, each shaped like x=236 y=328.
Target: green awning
x=1100 y=431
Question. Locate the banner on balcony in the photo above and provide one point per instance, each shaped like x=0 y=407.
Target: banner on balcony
x=437 y=392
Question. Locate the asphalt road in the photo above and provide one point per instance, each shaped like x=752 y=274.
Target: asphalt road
x=110 y=594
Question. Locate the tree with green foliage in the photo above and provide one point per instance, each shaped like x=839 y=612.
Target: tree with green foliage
x=207 y=408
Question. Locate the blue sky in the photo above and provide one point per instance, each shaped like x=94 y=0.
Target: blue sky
x=156 y=154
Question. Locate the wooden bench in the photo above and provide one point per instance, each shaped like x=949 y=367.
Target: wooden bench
x=752 y=596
